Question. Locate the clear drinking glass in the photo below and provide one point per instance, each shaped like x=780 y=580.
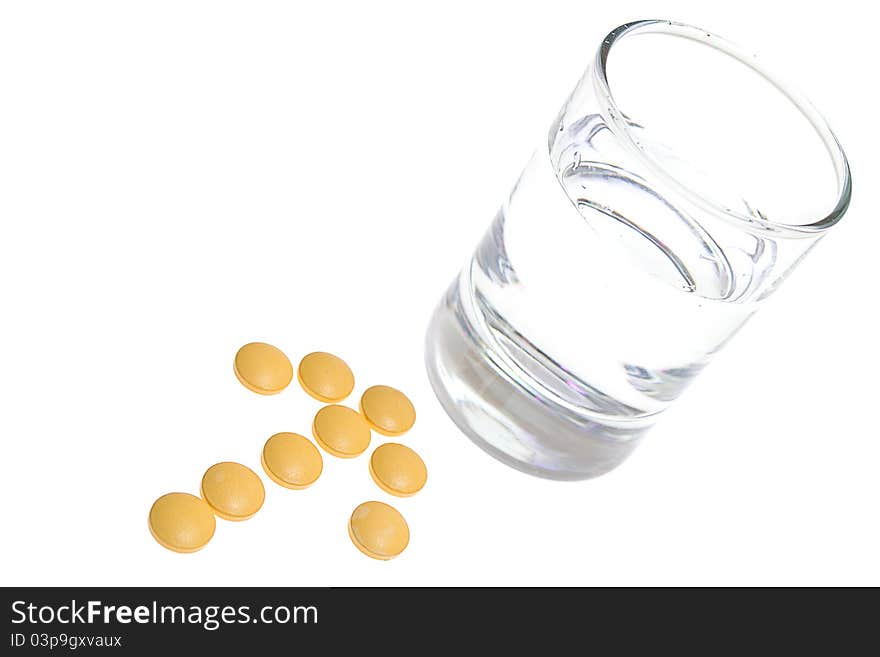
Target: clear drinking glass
x=679 y=186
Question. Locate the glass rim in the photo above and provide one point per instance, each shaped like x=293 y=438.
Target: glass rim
x=615 y=118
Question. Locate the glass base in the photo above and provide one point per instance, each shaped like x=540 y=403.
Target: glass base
x=519 y=428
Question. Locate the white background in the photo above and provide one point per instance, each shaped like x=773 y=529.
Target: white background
x=179 y=178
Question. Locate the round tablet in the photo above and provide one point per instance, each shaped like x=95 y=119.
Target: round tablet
x=182 y=522
x=262 y=368
x=388 y=410
x=398 y=470
x=341 y=431
x=292 y=460
x=378 y=530
x=233 y=491
x=325 y=377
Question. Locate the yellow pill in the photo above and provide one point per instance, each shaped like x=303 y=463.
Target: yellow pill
x=398 y=470
x=378 y=530
x=233 y=491
x=292 y=460
x=341 y=431
x=181 y=522
x=325 y=377
x=262 y=368
x=388 y=410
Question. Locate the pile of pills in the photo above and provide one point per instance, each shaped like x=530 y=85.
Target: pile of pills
x=185 y=523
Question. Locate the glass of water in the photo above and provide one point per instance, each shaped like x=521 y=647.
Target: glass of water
x=678 y=187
